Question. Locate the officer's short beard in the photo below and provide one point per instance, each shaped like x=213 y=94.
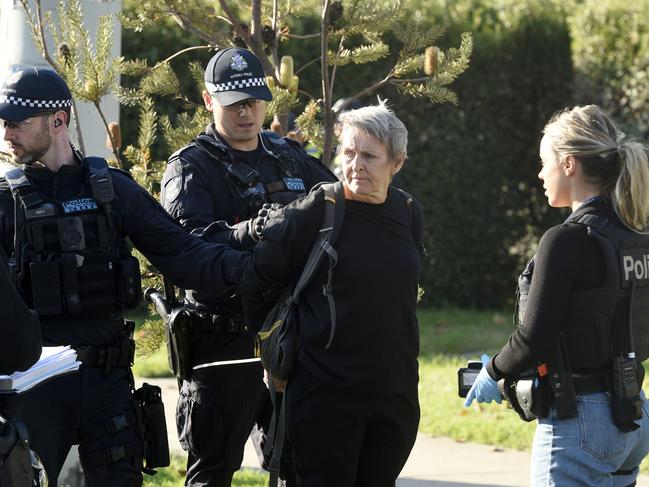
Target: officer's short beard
x=40 y=145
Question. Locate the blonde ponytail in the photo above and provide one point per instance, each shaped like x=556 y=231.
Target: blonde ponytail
x=630 y=195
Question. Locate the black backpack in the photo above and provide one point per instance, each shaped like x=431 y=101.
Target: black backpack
x=276 y=342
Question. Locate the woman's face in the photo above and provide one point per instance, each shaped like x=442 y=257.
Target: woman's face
x=367 y=167
x=555 y=181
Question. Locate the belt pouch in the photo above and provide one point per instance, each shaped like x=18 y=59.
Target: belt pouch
x=46 y=288
x=151 y=419
x=15 y=459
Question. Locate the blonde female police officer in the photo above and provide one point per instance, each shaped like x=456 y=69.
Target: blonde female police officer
x=584 y=308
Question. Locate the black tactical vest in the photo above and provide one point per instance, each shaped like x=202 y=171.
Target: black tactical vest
x=598 y=321
x=254 y=189
x=69 y=259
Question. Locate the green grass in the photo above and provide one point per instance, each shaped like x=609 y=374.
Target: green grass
x=174 y=476
x=448 y=338
x=155 y=365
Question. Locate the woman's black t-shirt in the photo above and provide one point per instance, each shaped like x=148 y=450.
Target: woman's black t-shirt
x=376 y=342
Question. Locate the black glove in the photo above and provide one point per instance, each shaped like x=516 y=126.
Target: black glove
x=256 y=225
x=249 y=232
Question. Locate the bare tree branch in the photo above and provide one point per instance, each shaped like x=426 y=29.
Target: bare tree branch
x=118 y=159
x=326 y=90
x=207 y=46
x=299 y=36
x=40 y=31
x=313 y=61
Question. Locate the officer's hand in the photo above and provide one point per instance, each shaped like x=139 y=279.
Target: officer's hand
x=278 y=385
x=484 y=389
x=256 y=225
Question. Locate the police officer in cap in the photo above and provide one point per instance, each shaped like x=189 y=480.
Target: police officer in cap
x=583 y=302
x=64 y=221
x=225 y=175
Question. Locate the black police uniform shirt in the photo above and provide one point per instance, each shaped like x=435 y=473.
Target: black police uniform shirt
x=567 y=259
x=20 y=345
x=186 y=260
x=376 y=341
x=199 y=194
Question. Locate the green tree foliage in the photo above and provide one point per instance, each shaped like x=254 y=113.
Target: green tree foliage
x=347 y=33
x=611 y=53
x=85 y=63
x=474 y=168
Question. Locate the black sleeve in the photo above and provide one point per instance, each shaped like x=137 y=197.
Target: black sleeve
x=566 y=260
x=21 y=331
x=279 y=259
x=189 y=198
x=186 y=260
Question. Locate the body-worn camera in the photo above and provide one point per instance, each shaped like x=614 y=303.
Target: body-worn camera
x=466 y=376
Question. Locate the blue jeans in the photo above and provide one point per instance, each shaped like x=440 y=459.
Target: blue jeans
x=586 y=450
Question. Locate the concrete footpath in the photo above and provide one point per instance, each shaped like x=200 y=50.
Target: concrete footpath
x=433 y=462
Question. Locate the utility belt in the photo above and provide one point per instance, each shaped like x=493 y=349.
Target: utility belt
x=532 y=395
x=121 y=354
x=588 y=383
x=206 y=323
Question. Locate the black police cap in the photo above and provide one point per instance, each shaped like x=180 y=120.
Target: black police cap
x=27 y=92
x=234 y=75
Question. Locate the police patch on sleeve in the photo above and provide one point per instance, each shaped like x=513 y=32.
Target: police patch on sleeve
x=294 y=184
x=78 y=205
x=173 y=188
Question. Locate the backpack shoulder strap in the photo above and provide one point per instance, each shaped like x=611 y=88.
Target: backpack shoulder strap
x=329 y=229
x=416 y=223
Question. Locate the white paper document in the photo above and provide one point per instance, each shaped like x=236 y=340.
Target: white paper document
x=54 y=361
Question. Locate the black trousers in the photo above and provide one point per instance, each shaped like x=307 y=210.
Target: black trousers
x=74 y=409
x=341 y=439
x=216 y=411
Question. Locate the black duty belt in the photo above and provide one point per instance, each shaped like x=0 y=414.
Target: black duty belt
x=205 y=323
x=119 y=355
x=588 y=383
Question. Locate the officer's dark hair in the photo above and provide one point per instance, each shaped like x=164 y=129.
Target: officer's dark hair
x=617 y=165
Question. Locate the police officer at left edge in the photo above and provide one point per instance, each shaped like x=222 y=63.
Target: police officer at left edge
x=216 y=186
x=66 y=222
x=21 y=332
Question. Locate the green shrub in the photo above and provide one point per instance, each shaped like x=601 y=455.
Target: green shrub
x=611 y=55
x=475 y=167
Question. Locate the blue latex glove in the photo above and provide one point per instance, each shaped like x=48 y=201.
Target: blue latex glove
x=484 y=389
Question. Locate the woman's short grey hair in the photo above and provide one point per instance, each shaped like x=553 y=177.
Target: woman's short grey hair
x=380 y=122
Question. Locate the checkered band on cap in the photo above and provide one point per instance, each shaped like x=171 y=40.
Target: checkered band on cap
x=235 y=85
x=26 y=102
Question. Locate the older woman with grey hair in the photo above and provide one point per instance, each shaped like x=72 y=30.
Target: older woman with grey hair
x=351 y=401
